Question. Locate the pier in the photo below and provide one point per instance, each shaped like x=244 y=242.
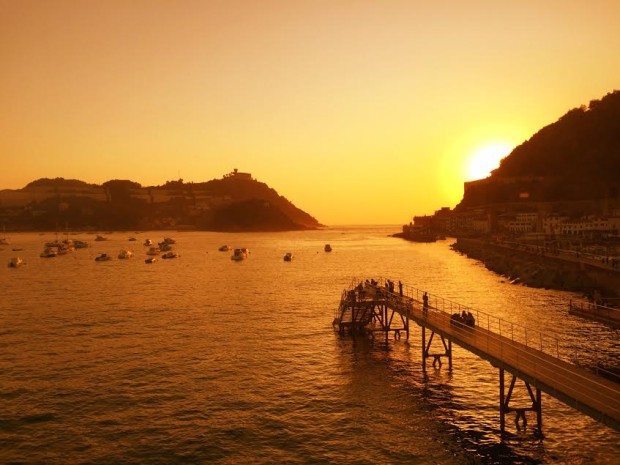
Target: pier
x=527 y=355
x=596 y=312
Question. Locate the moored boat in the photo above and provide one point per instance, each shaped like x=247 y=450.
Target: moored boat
x=169 y=240
x=153 y=251
x=16 y=262
x=327 y=248
x=150 y=260
x=164 y=246
x=148 y=243
x=224 y=248
x=100 y=238
x=104 y=257
x=125 y=254
x=239 y=254
x=132 y=239
x=169 y=255
x=288 y=257
x=48 y=252
x=80 y=244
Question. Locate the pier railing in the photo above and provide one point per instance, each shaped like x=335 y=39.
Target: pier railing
x=499 y=331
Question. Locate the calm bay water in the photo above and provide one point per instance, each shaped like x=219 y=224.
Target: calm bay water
x=203 y=360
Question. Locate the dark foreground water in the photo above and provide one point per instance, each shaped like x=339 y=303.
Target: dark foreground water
x=204 y=360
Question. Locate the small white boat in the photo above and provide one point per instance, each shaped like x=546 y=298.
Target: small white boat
x=288 y=257
x=153 y=251
x=125 y=254
x=168 y=255
x=224 y=248
x=327 y=248
x=148 y=243
x=150 y=260
x=16 y=262
x=100 y=238
x=169 y=240
x=48 y=252
x=104 y=257
x=239 y=254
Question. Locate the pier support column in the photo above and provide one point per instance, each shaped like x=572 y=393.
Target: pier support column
x=424 y=350
x=539 y=424
x=387 y=322
x=502 y=397
x=520 y=412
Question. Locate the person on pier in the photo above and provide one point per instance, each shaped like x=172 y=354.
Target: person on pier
x=425 y=304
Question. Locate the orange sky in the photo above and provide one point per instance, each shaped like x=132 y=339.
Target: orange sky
x=357 y=111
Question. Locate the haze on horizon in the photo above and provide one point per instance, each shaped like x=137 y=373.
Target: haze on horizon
x=357 y=111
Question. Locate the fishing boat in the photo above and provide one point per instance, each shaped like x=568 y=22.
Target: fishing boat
x=16 y=262
x=153 y=251
x=239 y=254
x=224 y=248
x=150 y=260
x=104 y=257
x=125 y=254
x=48 y=252
x=169 y=241
x=327 y=248
x=80 y=244
x=288 y=257
x=148 y=243
x=169 y=255
x=164 y=246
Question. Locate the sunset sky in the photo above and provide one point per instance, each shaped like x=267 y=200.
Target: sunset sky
x=357 y=111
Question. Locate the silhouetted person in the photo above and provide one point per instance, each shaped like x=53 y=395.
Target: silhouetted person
x=400 y=287
x=425 y=304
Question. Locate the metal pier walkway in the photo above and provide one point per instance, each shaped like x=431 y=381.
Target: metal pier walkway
x=529 y=355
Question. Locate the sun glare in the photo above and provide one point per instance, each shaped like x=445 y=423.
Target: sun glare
x=485 y=159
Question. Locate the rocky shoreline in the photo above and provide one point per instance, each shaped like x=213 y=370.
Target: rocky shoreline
x=540 y=272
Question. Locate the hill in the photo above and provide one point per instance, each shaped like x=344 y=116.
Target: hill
x=237 y=202
x=575 y=158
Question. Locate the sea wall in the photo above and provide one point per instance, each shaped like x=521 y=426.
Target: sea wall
x=541 y=271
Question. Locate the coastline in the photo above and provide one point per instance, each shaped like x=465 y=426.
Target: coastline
x=541 y=271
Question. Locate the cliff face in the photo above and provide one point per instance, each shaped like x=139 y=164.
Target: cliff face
x=575 y=158
x=230 y=204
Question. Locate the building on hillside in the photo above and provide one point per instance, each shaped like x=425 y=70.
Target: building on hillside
x=591 y=227
x=551 y=224
x=236 y=174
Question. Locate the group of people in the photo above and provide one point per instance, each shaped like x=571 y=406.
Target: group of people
x=390 y=286
x=463 y=318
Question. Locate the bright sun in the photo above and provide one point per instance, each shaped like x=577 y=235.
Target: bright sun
x=485 y=159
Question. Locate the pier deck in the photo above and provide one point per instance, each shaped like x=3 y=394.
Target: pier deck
x=373 y=308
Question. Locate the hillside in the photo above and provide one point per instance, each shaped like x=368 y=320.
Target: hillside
x=234 y=203
x=575 y=158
